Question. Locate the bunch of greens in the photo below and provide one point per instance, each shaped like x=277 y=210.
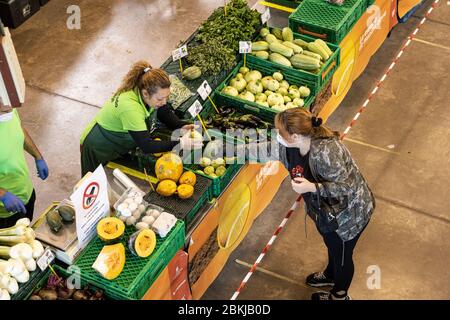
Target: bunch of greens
x=212 y=57
x=219 y=37
x=240 y=24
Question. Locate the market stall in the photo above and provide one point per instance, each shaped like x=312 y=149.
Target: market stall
x=163 y=226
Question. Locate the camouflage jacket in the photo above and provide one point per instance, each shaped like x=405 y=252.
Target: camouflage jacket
x=336 y=170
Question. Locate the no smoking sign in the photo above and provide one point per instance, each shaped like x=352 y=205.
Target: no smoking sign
x=90 y=195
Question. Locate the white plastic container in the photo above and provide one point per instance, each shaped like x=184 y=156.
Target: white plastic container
x=164 y=223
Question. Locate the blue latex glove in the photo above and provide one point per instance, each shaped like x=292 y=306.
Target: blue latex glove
x=42 y=169
x=12 y=203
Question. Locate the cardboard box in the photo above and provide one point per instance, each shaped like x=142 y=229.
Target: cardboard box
x=12 y=83
x=15 y=12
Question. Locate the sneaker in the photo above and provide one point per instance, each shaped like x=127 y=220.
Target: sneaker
x=318 y=279
x=322 y=296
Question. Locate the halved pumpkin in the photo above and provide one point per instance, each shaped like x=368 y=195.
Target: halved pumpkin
x=142 y=243
x=110 y=261
x=110 y=230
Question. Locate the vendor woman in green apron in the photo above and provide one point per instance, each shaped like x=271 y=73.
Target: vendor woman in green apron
x=17 y=194
x=129 y=117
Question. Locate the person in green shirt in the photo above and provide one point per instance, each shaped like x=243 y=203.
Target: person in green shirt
x=17 y=195
x=127 y=120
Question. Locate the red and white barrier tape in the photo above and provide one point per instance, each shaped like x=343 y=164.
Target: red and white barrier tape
x=295 y=205
x=392 y=65
x=266 y=248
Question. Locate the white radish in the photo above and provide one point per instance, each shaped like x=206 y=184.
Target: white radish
x=23 y=277
x=5 y=267
x=17 y=267
x=23 y=222
x=38 y=249
x=13 y=286
x=31 y=265
x=4 y=280
x=4 y=295
x=21 y=251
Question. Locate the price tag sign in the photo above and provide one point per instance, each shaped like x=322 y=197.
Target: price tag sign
x=179 y=53
x=44 y=261
x=245 y=46
x=204 y=90
x=195 y=109
x=265 y=16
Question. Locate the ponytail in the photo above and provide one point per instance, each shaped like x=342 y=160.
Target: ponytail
x=301 y=121
x=142 y=76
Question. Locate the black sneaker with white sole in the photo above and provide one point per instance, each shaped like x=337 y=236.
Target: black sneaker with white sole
x=319 y=279
x=323 y=296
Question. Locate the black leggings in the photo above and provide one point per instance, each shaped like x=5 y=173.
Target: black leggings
x=9 y=222
x=340 y=269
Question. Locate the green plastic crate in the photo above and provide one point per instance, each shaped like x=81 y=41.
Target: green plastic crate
x=218 y=185
x=26 y=289
x=265 y=68
x=139 y=273
x=286 y=3
x=184 y=209
x=60 y=272
x=327 y=21
x=319 y=79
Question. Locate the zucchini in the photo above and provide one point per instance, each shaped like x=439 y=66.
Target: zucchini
x=287 y=34
x=192 y=73
x=260 y=46
x=281 y=49
x=312 y=54
x=324 y=45
x=277 y=33
x=261 y=54
x=278 y=58
x=314 y=47
x=271 y=38
x=264 y=32
x=301 y=43
x=296 y=48
x=301 y=61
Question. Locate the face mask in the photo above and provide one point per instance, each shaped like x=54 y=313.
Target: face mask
x=5 y=117
x=283 y=142
x=300 y=142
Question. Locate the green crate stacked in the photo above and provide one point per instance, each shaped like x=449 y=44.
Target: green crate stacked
x=184 y=209
x=138 y=274
x=219 y=184
x=327 y=21
x=286 y=3
x=266 y=68
x=320 y=78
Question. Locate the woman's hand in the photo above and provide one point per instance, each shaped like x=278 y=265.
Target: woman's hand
x=302 y=185
x=189 y=127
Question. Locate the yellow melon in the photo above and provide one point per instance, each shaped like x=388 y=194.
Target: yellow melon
x=169 y=167
x=166 y=188
x=185 y=191
x=188 y=178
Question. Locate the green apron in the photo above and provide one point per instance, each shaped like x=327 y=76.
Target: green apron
x=101 y=146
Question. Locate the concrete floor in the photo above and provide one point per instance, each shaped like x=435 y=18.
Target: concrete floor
x=70 y=73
